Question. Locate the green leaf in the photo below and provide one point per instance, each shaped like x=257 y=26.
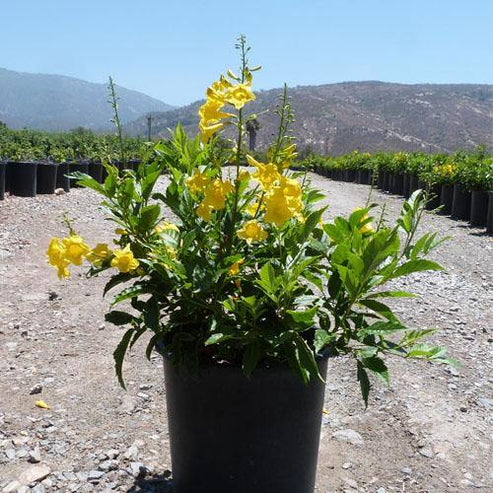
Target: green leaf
x=251 y=357
x=119 y=354
x=115 y=280
x=415 y=266
x=130 y=292
x=303 y=318
x=152 y=344
x=378 y=367
x=119 y=318
x=149 y=216
x=391 y=294
x=364 y=382
x=152 y=318
x=379 y=308
x=214 y=338
x=322 y=339
x=307 y=358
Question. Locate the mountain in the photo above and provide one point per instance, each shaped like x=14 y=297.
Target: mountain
x=369 y=116
x=56 y=102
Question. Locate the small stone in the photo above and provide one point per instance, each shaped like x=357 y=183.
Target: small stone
x=21 y=453
x=12 y=487
x=112 y=453
x=39 y=488
x=145 y=386
x=426 y=452
x=108 y=465
x=137 y=469
x=132 y=453
x=10 y=453
x=35 y=455
x=348 y=435
x=347 y=465
x=468 y=476
x=406 y=470
x=128 y=404
x=381 y=490
x=95 y=475
x=59 y=191
x=34 y=473
x=101 y=327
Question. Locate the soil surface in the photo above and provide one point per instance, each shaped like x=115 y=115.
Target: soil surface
x=432 y=431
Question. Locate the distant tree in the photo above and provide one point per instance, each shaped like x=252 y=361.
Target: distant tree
x=252 y=127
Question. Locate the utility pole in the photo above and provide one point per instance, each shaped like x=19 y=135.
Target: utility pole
x=149 y=127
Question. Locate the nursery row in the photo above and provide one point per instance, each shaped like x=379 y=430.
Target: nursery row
x=27 y=179
x=455 y=199
x=474 y=170
x=76 y=145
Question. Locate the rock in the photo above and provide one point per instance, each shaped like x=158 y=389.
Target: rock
x=12 y=487
x=34 y=473
x=59 y=191
x=426 y=452
x=145 y=386
x=108 y=465
x=486 y=403
x=347 y=465
x=112 y=453
x=348 y=435
x=406 y=470
x=10 y=453
x=95 y=475
x=137 y=469
x=35 y=455
x=39 y=488
x=132 y=453
x=21 y=453
x=128 y=404
x=381 y=490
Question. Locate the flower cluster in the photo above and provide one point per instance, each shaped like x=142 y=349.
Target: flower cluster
x=222 y=92
x=73 y=250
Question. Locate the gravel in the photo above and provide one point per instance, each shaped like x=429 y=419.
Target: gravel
x=431 y=431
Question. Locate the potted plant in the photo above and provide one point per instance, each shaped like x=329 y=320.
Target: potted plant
x=247 y=294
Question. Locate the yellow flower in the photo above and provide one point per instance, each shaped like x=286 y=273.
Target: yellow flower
x=204 y=211
x=291 y=188
x=207 y=131
x=235 y=267
x=166 y=226
x=124 y=260
x=56 y=257
x=120 y=231
x=243 y=175
x=75 y=249
x=252 y=231
x=210 y=112
x=99 y=253
x=215 y=194
x=266 y=174
x=366 y=228
x=198 y=182
x=277 y=209
x=253 y=208
x=239 y=94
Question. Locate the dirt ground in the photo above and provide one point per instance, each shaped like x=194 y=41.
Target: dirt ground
x=431 y=432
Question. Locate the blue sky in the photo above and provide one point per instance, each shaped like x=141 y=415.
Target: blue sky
x=173 y=50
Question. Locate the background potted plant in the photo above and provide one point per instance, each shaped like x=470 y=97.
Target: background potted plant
x=247 y=293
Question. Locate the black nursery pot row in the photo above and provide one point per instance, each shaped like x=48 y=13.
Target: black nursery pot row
x=27 y=179
x=455 y=200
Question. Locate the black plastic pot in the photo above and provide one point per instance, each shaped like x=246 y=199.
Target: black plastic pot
x=350 y=175
x=446 y=198
x=380 y=179
x=406 y=179
x=387 y=181
x=479 y=208
x=231 y=434
x=397 y=184
x=364 y=177
x=413 y=184
x=46 y=179
x=23 y=179
x=434 y=192
x=3 y=169
x=96 y=171
x=62 y=181
x=489 y=216
x=336 y=174
x=82 y=167
x=461 y=203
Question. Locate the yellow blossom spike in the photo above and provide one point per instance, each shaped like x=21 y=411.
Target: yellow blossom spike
x=238 y=95
x=42 y=404
x=252 y=231
x=124 y=260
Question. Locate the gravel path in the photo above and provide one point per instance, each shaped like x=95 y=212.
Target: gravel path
x=432 y=431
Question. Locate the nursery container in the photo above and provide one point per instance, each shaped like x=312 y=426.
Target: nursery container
x=489 y=216
x=23 y=179
x=461 y=203
x=62 y=180
x=446 y=198
x=46 y=179
x=82 y=167
x=479 y=208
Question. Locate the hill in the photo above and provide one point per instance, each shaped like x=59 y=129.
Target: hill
x=56 y=102
x=370 y=116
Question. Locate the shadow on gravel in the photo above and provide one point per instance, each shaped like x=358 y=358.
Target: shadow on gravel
x=153 y=483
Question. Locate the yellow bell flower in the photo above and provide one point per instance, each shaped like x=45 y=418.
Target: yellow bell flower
x=252 y=231
x=239 y=94
x=124 y=260
x=253 y=207
x=198 y=182
x=210 y=112
x=75 y=249
x=204 y=211
x=235 y=267
x=277 y=209
x=366 y=228
x=166 y=226
x=266 y=174
x=99 y=254
x=207 y=131
x=216 y=192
